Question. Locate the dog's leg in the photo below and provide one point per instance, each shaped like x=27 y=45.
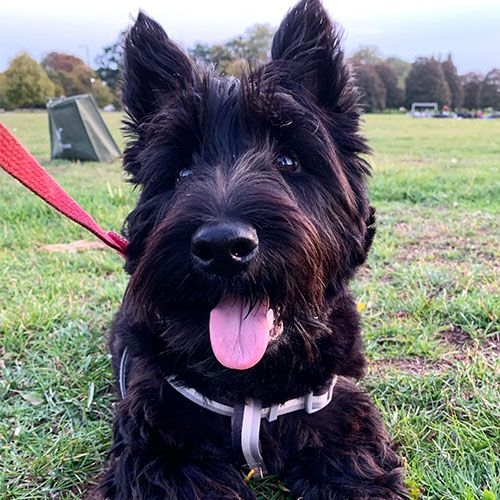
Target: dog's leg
x=161 y=451
x=136 y=474
x=343 y=452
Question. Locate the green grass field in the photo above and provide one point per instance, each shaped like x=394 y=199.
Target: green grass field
x=429 y=299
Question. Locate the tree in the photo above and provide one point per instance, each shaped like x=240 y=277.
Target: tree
x=471 y=84
x=233 y=57
x=102 y=95
x=69 y=73
x=201 y=53
x=386 y=87
x=489 y=92
x=110 y=64
x=366 y=54
x=26 y=83
x=401 y=68
x=3 y=99
x=389 y=80
x=426 y=83
x=257 y=44
x=221 y=59
x=72 y=77
x=373 y=92
x=454 y=83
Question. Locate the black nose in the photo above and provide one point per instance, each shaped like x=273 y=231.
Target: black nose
x=224 y=247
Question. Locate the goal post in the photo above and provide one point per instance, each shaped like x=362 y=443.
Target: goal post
x=424 y=108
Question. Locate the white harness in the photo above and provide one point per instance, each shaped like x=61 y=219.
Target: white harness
x=245 y=417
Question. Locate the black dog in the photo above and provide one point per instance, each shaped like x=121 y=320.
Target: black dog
x=237 y=337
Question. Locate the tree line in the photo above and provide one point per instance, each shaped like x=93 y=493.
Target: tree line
x=393 y=83
x=29 y=84
x=385 y=83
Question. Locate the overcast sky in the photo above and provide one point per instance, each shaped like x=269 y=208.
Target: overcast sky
x=469 y=29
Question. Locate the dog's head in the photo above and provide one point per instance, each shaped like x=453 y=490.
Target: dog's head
x=253 y=211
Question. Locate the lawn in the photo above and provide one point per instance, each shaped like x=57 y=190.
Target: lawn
x=428 y=296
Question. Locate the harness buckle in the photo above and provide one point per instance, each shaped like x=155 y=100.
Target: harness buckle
x=273 y=413
x=309 y=402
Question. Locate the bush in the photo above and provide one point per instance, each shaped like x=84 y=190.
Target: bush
x=26 y=84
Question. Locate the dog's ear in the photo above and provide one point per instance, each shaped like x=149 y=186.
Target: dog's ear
x=154 y=66
x=361 y=253
x=308 y=45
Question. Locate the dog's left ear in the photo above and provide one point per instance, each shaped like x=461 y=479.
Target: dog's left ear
x=154 y=66
x=308 y=45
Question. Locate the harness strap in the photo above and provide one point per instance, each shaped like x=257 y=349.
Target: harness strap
x=245 y=417
x=122 y=376
x=245 y=430
x=19 y=163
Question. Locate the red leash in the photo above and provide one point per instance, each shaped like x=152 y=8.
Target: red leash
x=16 y=161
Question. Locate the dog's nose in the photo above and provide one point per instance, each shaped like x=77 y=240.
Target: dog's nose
x=224 y=247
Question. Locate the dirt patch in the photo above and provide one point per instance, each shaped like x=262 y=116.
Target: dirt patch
x=471 y=238
x=89 y=491
x=456 y=336
x=411 y=366
x=467 y=348
x=92 y=495
x=403 y=229
x=75 y=246
x=489 y=351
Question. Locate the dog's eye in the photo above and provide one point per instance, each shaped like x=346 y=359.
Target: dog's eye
x=286 y=163
x=184 y=174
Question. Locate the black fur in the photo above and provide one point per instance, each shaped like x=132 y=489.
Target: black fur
x=205 y=149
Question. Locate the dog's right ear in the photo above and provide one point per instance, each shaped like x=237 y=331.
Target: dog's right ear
x=154 y=66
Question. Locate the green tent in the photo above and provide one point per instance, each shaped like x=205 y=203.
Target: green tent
x=78 y=132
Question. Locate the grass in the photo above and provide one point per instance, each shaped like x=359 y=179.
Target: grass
x=429 y=297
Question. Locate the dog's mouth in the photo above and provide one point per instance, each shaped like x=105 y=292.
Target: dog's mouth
x=240 y=332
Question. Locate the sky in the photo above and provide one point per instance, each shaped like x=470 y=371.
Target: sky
x=468 y=29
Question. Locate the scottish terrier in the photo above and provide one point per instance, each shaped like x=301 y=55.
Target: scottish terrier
x=237 y=342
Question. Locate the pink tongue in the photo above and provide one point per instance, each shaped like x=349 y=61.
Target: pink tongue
x=239 y=336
